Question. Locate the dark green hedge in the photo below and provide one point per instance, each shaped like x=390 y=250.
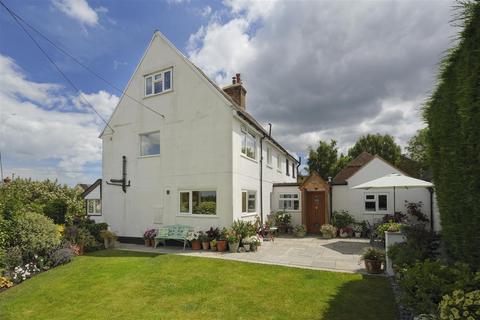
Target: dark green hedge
x=453 y=117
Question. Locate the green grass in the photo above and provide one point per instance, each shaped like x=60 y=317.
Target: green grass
x=132 y=285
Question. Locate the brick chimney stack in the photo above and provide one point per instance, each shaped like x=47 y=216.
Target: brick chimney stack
x=236 y=91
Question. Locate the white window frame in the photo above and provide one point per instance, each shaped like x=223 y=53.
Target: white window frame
x=294 y=169
x=279 y=163
x=248 y=193
x=152 y=76
x=140 y=144
x=294 y=197
x=376 y=201
x=190 y=203
x=245 y=134
x=269 y=156
x=95 y=211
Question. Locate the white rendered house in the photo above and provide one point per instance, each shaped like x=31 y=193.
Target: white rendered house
x=180 y=150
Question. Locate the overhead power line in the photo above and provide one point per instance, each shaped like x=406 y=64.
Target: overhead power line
x=20 y=20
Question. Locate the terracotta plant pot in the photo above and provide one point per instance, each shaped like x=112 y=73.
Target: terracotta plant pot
x=233 y=247
x=206 y=245
x=222 y=245
x=196 y=245
x=373 y=266
x=147 y=242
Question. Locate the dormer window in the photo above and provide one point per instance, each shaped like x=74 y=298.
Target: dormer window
x=159 y=82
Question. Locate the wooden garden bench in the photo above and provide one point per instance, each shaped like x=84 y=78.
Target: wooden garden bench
x=174 y=232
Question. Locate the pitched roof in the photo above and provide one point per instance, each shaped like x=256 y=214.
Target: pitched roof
x=240 y=112
x=92 y=187
x=352 y=167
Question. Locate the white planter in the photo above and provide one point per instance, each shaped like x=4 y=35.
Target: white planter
x=390 y=239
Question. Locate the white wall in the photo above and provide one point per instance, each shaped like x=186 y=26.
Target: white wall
x=246 y=173
x=195 y=149
x=296 y=214
x=352 y=200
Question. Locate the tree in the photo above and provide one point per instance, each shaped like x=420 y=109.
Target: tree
x=417 y=150
x=453 y=117
x=323 y=159
x=377 y=144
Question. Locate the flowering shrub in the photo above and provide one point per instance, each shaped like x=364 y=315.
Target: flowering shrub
x=192 y=236
x=150 y=234
x=232 y=236
x=283 y=218
x=5 y=282
x=61 y=256
x=328 y=231
x=22 y=273
x=460 y=305
x=255 y=240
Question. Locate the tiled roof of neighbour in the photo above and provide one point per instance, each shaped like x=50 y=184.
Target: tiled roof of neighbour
x=352 y=167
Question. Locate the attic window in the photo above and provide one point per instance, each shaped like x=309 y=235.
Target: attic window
x=159 y=82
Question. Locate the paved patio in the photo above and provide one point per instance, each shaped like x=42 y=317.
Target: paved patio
x=338 y=254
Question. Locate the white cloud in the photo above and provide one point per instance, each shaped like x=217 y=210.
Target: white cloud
x=102 y=101
x=328 y=70
x=80 y=10
x=37 y=131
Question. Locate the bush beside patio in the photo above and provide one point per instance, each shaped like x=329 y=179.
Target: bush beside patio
x=132 y=285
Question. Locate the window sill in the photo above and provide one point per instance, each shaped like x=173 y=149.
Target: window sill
x=94 y=215
x=269 y=166
x=157 y=94
x=248 y=158
x=203 y=216
x=150 y=156
x=279 y=171
x=248 y=215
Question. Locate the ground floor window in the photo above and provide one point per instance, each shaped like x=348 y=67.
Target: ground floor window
x=94 y=207
x=249 y=201
x=198 y=202
x=289 y=201
x=376 y=202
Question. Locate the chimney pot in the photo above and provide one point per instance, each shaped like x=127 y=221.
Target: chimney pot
x=234 y=80
x=237 y=91
x=238 y=78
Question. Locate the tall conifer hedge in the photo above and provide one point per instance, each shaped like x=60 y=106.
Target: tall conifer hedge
x=453 y=117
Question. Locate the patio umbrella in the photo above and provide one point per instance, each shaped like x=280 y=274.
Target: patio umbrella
x=396 y=180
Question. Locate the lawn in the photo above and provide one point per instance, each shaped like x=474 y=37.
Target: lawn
x=132 y=285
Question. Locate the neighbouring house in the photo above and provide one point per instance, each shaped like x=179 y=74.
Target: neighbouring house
x=312 y=201
x=180 y=150
x=93 y=200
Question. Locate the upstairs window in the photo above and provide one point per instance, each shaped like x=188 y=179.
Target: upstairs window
x=150 y=144
x=287 y=167
x=279 y=163
x=249 y=143
x=293 y=169
x=269 y=156
x=158 y=82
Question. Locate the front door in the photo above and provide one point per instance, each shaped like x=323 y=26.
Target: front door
x=315 y=207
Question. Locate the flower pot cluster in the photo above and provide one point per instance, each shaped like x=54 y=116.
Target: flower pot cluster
x=240 y=237
x=346 y=226
x=149 y=237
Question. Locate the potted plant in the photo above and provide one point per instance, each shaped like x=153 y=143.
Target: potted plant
x=233 y=241
x=222 y=240
x=213 y=245
x=357 y=230
x=373 y=259
x=109 y=238
x=255 y=242
x=205 y=240
x=282 y=221
x=149 y=237
x=300 y=231
x=328 y=231
x=193 y=237
x=346 y=232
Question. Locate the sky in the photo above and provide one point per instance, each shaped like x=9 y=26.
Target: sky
x=316 y=70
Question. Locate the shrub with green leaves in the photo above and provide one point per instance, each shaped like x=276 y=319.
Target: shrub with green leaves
x=453 y=117
x=342 y=219
x=35 y=234
x=206 y=207
x=460 y=305
x=425 y=283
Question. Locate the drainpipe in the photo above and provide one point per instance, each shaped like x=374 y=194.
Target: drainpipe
x=299 y=164
x=431 y=208
x=261 y=170
x=330 y=192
